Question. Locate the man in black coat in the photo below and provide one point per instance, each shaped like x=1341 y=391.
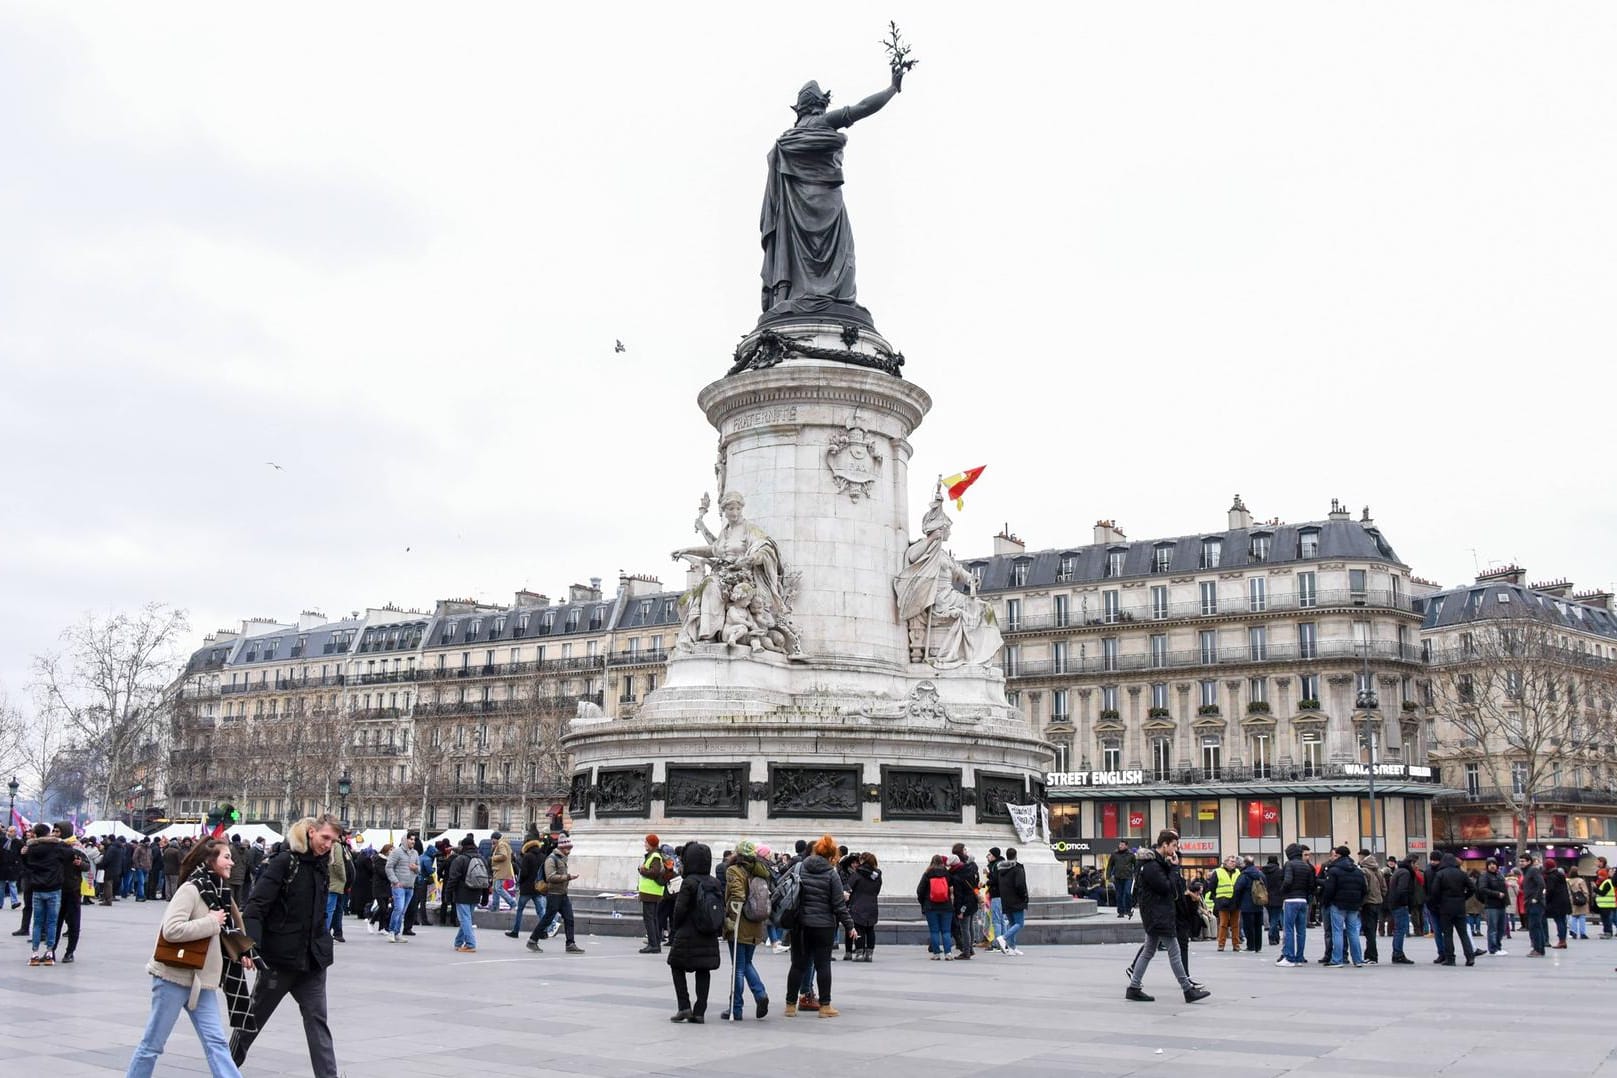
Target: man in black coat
x=286 y=917
x=114 y=859
x=1400 y=900
x=1451 y=886
x=1557 y=901
x=1277 y=903
x=1161 y=887
x=1343 y=894
x=1012 y=898
x=1538 y=931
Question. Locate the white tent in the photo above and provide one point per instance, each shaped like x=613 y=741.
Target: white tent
x=454 y=835
x=377 y=837
x=178 y=830
x=249 y=832
x=252 y=832
x=111 y=829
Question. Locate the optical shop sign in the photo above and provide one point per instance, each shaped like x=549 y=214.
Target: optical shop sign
x=1056 y=780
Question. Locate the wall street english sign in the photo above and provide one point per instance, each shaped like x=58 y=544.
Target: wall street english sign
x=1058 y=779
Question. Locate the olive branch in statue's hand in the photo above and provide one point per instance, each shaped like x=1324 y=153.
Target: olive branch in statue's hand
x=898 y=55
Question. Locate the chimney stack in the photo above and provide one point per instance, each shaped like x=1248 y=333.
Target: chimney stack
x=1339 y=511
x=1598 y=598
x=1006 y=543
x=1559 y=589
x=1107 y=532
x=1505 y=574
x=1240 y=516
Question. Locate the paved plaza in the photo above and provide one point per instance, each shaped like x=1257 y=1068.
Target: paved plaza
x=420 y=1009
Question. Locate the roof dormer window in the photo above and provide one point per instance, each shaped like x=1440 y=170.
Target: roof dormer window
x=1115 y=557
x=1019 y=573
x=1308 y=544
x=1212 y=553
x=1162 y=558
x=1258 y=546
x=1068 y=569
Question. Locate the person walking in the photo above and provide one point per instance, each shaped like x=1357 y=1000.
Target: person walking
x=468 y=882
x=1248 y=906
x=198 y=910
x=863 y=907
x=746 y=933
x=286 y=919
x=339 y=870
x=1224 y=904
x=935 y=893
x=1375 y=897
x=693 y=943
x=46 y=859
x=1121 y=867
x=1532 y=899
x=996 y=909
x=401 y=869
x=653 y=885
x=1013 y=896
x=1161 y=888
x=502 y=868
x=1494 y=894
x=1296 y=890
x=821 y=907
x=531 y=885
x=557 y=903
x=1450 y=886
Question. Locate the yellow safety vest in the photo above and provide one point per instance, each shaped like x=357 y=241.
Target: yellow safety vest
x=1226 y=883
x=648 y=886
x=1605 y=895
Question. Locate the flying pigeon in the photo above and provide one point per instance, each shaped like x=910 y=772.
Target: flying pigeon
x=277 y=467
x=618 y=347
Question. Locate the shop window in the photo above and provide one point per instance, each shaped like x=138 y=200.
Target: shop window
x=1064 y=821
x=1121 y=819
x=1414 y=817
x=1194 y=819
x=1380 y=829
x=1260 y=819
x=1314 y=817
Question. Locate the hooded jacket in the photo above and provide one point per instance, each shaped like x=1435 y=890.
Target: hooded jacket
x=1450 y=887
x=455 y=878
x=866 y=887
x=1375 y=886
x=499 y=861
x=1160 y=885
x=1012 y=886
x=737 y=877
x=689 y=948
x=45 y=860
x=1245 y=901
x=1271 y=880
x=923 y=891
x=286 y=912
x=1491 y=888
x=531 y=866
x=1297 y=877
x=1344 y=885
x=1557 y=899
x=821 y=901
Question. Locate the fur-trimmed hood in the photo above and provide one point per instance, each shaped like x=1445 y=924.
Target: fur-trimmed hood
x=297 y=836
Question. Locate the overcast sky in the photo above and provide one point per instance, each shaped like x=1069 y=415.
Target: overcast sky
x=1142 y=256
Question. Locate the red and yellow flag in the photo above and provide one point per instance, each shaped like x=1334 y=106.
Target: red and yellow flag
x=956 y=484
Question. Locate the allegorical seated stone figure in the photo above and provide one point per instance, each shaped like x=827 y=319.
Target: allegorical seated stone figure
x=742 y=598
x=946 y=628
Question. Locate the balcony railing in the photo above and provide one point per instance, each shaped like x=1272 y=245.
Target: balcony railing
x=1241 y=606
x=381 y=677
x=635 y=658
x=538 y=666
x=1382 y=651
x=1555 y=795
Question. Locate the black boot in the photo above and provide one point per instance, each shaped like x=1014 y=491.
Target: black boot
x=1138 y=995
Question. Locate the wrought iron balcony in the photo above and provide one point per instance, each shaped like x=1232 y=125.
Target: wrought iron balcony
x=1243 y=606
x=1189 y=658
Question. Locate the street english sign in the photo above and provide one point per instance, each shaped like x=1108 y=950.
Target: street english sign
x=1389 y=771
x=1056 y=779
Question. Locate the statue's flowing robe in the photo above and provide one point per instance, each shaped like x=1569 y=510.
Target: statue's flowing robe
x=704 y=604
x=925 y=589
x=808 y=243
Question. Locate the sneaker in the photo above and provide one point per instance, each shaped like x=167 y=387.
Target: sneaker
x=1331 y=965
x=827 y=1011
x=533 y=945
x=1193 y=994
x=1138 y=995
x=463 y=949
x=937 y=957
x=1360 y=965
x=36 y=960
x=49 y=959
x=513 y=935
x=1502 y=953
x=1288 y=963
x=948 y=957
x=573 y=948
x=66 y=959
x=398 y=937
x=763 y=1007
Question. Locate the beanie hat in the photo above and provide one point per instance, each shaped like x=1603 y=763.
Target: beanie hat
x=746 y=848
x=565 y=842
x=993 y=851
x=1343 y=851
x=763 y=851
x=467 y=842
x=653 y=841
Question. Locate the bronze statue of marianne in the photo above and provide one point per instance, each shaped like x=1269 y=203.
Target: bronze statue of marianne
x=808 y=245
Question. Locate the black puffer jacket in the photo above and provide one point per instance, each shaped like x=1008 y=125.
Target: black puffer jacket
x=1401 y=891
x=690 y=949
x=1557 y=896
x=866 y=888
x=1344 y=885
x=531 y=866
x=821 y=901
x=1451 y=887
x=1297 y=879
x=286 y=911
x=1160 y=886
x=1012 y=886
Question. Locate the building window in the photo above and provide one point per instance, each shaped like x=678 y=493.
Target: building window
x=1121 y=819
x=1013 y=614
x=1159 y=601
x=1262 y=756
x=1308 y=549
x=1058 y=706
x=1212 y=756
x=1257 y=690
x=1058 y=658
x=1313 y=751
x=1473 y=779
x=1110 y=607
x=1162 y=558
x=1465 y=689
x=1161 y=758
x=1209 y=593
x=1197 y=819
x=1068 y=569
x=1257 y=642
x=1108 y=698
x=1314 y=817
x=1518 y=779
x=1307 y=640
x=1415 y=817
x=1111 y=755
x=1207 y=645
x=1258 y=550
x=1159 y=650
x=1260 y=819
x=1257 y=595
x=1062 y=604
x=1209 y=693
x=1013 y=660
x=1307 y=590
x=1376 y=826
x=1308 y=688
x=1356 y=586
x=1019 y=574
x=1114 y=561
x=1212 y=553
x=1159 y=695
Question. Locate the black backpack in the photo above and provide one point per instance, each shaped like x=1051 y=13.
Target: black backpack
x=707 y=912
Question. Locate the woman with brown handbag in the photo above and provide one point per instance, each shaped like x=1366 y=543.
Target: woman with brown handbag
x=200 y=946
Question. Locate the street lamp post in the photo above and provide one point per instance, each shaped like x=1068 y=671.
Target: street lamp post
x=1368 y=703
x=12 y=786
x=345 y=786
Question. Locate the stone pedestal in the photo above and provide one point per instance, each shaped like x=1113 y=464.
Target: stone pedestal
x=850 y=738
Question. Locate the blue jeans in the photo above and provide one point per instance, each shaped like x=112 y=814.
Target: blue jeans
x=11 y=890
x=168 y=1000
x=746 y=979
x=1496 y=928
x=1296 y=930
x=1346 y=922
x=1016 y=918
x=1400 y=929
x=938 y=926
x=1125 y=896
x=1538 y=930
x=47 y=910
x=334 y=914
x=522 y=904
x=465 y=931
x=138 y=884
x=401 y=902
x=1277 y=916
x=498 y=893
x=776 y=935
x=996 y=910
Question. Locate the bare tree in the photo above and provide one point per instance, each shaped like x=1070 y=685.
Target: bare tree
x=538 y=719
x=106 y=687
x=1517 y=701
x=13 y=734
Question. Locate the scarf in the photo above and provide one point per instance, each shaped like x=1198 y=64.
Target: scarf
x=233 y=980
